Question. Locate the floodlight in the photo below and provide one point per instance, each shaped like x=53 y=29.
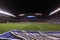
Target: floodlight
x=30 y=16
x=21 y=14
x=38 y=14
x=55 y=11
x=6 y=13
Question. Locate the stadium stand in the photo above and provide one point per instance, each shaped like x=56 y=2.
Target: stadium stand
x=55 y=18
x=30 y=35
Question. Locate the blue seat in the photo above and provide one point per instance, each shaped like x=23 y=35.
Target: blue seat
x=9 y=35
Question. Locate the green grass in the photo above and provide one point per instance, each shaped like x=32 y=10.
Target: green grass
x=29 y=26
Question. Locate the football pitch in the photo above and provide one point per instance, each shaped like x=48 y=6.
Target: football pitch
x=35 y=26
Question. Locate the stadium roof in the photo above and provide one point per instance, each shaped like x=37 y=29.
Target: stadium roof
x=17 y=7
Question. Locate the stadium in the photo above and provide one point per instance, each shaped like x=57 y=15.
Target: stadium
x=29 y=20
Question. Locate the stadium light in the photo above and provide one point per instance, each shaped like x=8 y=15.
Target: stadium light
x=7 y=13
x=30 y=17
x=55 y=11
x=38 y=14
x=21 y=14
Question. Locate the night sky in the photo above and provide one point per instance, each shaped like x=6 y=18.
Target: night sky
x=23 y=6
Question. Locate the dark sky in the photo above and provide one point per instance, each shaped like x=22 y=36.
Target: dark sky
x=23 y=6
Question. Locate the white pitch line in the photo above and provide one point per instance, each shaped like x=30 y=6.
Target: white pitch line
x=40 y=27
